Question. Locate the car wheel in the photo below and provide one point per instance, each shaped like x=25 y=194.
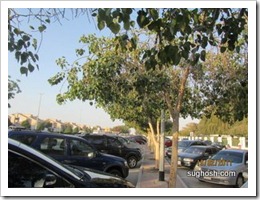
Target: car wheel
x=240 y=181
x=132 y=162
x=115 y=172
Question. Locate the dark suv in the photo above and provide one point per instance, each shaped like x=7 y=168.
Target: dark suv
x=72 y=150
x=111 y=145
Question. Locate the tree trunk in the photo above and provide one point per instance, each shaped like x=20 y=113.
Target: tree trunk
x=156 y=146
x=174 y=158
x=175 y=114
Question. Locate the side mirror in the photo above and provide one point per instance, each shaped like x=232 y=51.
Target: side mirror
x=50 y=180
x=47 y=180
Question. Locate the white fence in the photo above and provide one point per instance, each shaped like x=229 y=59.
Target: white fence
x=233 y=142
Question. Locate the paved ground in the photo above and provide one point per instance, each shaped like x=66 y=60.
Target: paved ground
x=149 y=176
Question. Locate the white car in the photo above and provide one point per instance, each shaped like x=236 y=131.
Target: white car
x=226 y=168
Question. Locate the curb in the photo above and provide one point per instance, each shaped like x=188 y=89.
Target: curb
x=140 y=174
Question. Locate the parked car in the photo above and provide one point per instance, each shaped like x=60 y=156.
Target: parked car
x=29 y=168
x=72 y=150
x=167 y=142
x=138 y=138
x=193 y=154
x=111 y=145
x=226 y=167
x=219 y=145
x=126 y=141
x=184 y=144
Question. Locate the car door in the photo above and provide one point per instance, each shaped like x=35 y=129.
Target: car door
x=25 y=173
x=53 y=146
x=80 y=153
x=114 y=147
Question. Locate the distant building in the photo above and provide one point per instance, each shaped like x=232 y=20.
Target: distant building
x=18 y=118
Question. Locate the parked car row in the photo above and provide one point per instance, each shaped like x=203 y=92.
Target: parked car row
x=213 y=162
x=29 y=168
x=72 y=150
x=110 y=155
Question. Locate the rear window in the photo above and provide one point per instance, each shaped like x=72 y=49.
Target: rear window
x=94 y=140
x=26 y=139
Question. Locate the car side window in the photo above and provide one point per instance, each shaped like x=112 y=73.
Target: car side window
x=24 y=173
x=96 y=140
x=54 y=146
x=80 y=148
x=26 y=139
x=113 y=142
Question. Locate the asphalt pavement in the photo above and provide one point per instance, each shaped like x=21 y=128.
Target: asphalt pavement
x=148 y=176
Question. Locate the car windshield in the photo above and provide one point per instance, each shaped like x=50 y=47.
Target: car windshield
x=234 y=157
x=183 y=143
x=82 y=175
x=194 y=150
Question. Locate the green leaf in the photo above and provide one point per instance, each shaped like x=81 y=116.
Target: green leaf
x=101 y=24
x=114 y=27
x=154 y=13
x=204 y=42
x=126 y=25
x=20 y=44
x=222 y=49
x=48 y=20
x=36 y=56
x=23 y=70
x=42 y=28
x=17 y=31
x=26 y=38
x=203 y=55
x=30 y=67
x=24 y=57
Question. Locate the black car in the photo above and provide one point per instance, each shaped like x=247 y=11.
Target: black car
x=29 y=168
x=72 y=150
x=111 y=145
x=193 y=154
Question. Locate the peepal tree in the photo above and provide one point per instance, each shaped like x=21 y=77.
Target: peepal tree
x=195 y=29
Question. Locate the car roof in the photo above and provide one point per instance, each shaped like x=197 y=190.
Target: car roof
x=202 y=146
x=30 y=132
x=34 y=152
x=235 y=150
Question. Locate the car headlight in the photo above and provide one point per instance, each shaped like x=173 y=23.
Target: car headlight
x=187 y=159
x=125 y=163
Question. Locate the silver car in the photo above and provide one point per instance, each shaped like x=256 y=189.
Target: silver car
x=226 y=168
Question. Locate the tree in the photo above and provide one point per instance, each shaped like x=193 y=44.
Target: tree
x=13 y=88
x=180 y=34
x=26 y=124
x=225 y=85
x=25 y=43
x=76 y=130
x=191 y=127
x=194 y=29
x=67 y=129
x=120 y=129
